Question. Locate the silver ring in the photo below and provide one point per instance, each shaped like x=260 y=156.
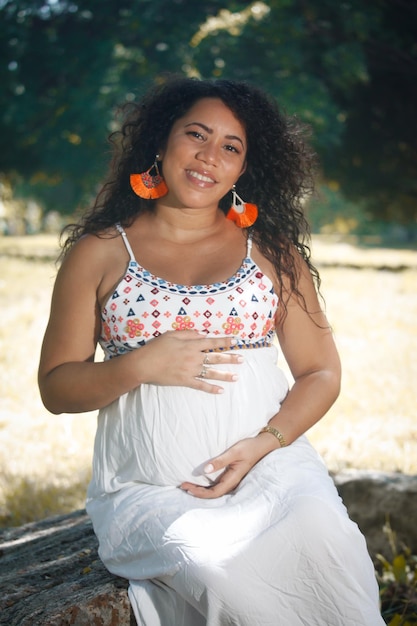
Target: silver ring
x=203 y=372
x=206 y=360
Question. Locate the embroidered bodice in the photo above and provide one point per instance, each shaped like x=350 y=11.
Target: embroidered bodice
x=144 y=306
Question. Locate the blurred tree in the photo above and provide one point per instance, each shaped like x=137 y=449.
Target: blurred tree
x=350 y=70
x=65 y=66
x=377 y=162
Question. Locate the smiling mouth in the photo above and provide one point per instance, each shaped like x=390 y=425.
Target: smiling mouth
x=204 y=179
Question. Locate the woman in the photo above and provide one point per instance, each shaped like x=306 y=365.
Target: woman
x=205 y=493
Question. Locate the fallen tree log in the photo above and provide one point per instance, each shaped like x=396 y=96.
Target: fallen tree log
x=375 y=498
x=51 y=575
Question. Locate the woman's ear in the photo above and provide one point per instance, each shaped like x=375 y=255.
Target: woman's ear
x=243 y=170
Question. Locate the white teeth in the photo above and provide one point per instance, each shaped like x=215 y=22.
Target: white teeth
x=204 y=179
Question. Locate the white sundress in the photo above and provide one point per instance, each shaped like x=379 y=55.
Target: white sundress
x=278 y=551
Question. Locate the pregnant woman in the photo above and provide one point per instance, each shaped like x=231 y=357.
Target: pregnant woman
x=189 y=270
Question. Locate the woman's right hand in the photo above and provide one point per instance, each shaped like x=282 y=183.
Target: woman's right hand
x=189 y=359
x=70 y=381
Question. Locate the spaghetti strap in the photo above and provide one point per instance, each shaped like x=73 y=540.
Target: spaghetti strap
x=126 y=241
x=249 y=247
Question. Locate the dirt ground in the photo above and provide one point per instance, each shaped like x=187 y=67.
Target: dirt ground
x=371 y=301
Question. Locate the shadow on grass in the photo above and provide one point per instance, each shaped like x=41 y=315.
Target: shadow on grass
x=28 y=500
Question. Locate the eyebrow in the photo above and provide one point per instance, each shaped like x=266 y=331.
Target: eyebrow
x=210 y=132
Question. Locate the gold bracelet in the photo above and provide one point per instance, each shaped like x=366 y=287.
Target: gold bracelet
x=276 y=433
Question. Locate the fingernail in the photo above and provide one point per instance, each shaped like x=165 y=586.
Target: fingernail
x=209 y=468
x=233 y=342
x=235 y=377
x=240 y=359
x=220 y=390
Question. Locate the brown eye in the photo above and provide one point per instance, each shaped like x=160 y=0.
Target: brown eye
x=195 y=133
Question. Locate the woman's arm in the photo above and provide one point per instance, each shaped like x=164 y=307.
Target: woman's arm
x=307 y=343
x=69 y=379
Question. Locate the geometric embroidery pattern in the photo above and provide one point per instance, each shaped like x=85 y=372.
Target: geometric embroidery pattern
x=144 y=306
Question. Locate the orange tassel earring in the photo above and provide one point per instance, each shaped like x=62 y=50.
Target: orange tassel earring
x=243 y=214
x=150 y=184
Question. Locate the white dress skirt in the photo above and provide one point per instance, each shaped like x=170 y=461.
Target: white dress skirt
x=280 y=550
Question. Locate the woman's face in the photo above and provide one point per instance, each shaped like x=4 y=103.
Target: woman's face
x=204 y=156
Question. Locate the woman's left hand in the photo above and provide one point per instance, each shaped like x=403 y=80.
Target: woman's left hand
x=236 y=461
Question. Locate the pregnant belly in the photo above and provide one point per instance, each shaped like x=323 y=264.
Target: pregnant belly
x=165 y=435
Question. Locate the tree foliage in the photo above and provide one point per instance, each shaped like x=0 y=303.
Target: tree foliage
x=65 y=68
x=348 y=69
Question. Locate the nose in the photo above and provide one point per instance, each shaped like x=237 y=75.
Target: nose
x=208 y=153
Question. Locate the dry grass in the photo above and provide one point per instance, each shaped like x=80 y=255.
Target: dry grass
x=45 y=459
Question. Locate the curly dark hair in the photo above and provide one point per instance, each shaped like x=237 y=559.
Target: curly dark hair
x=278 y=177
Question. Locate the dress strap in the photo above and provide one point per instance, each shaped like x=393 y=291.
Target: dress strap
x=126 y=241
x=249 y=246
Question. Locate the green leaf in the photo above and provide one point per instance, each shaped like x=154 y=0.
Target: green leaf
x=399 y=568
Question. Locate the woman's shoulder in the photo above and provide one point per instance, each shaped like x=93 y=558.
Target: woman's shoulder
x=291 y=258
x=91 y=245
x=94 y=254
x=265 y=266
